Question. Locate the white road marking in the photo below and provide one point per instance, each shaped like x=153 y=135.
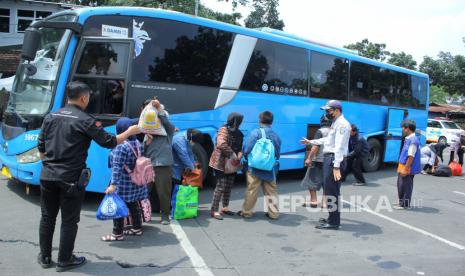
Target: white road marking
x=460 y=193
x=197 y=261
x=413 y=228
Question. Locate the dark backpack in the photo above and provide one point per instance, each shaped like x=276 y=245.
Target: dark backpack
x=443 y=171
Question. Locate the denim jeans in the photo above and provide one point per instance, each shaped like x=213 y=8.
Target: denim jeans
x=56 y=196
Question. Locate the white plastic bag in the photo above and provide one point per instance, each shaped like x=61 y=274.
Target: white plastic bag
x=149 y=122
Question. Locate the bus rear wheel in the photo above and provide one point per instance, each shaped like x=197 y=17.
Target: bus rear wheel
x=373 y=160
x=201 y=157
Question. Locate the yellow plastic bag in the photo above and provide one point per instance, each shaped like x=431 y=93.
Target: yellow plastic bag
x=150 y=123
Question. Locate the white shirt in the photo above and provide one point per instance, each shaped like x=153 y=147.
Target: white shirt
x=337 y=141
x=412 y=149
x=428 y=155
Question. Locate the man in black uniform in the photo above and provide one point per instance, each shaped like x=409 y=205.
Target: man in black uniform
x=63 y=143
x=358 y=151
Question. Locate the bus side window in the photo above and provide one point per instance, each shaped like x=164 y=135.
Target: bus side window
x=103 y=66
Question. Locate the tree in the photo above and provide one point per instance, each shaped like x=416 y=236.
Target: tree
x=447 y=71
x=437 y=95
x=371 y=50
x=265 y=14
x=403 y=60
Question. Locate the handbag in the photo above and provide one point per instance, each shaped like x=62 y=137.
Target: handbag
x=145 y=211
x=232 y=164
x=193 y=178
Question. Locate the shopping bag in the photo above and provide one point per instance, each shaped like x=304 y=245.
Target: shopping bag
x=232 y=164
x=456 y=169
x=193 y=178
x=185 y=202
x=150 y=123
x=112 y=207
x=145 y=209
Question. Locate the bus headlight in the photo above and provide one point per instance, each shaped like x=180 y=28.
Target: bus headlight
x=29 y=156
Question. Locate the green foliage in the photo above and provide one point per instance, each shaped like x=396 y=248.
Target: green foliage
x=365 y=48
x=437 y=95
x=447 y=71
x=265 y=14
x=403 y=60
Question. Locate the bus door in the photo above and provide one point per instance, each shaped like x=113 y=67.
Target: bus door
x=393 y=136
x=103 y=64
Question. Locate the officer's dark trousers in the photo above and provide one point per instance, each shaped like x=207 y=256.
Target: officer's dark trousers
x=57 y=196
x=405 y=189
x=332 y=189
x=354 y=165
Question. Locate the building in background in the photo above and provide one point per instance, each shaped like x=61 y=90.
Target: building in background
x=15 y=17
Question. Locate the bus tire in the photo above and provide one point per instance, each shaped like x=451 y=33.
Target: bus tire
x=201 y=157
x=373 y=160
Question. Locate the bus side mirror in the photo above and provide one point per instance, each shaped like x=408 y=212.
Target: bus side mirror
x=31 y=43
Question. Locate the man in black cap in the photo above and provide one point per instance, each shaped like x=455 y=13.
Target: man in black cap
x=64 y=140
x=336 y=146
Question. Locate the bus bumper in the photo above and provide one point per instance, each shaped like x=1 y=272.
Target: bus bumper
x=28 y=173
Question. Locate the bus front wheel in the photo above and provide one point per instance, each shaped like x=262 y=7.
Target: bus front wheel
x=373 y=160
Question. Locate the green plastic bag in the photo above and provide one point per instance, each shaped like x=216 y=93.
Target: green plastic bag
x=185 y=202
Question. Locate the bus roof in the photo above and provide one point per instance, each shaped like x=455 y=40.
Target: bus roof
x=268 y=34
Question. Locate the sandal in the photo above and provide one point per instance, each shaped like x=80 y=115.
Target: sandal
x=133 y=232
x=216 y=215
x=112 y=237
x=227 y=212
x=310 y=204
x=241 y=214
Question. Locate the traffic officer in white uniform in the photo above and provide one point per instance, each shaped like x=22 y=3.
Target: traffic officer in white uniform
x=336 y=147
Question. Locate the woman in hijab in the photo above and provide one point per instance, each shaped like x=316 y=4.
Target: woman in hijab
x=123 y=158
x=225 y=161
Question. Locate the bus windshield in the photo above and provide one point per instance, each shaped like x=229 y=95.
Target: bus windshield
x=34 y=83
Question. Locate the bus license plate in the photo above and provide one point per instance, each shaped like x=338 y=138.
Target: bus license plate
x=6 y=172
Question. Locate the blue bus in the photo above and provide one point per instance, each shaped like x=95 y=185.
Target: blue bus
x=201 y=70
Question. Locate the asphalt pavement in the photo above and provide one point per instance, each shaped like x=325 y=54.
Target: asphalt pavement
x=426 y=240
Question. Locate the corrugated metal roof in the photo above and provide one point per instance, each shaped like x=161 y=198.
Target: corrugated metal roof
x=9 y=60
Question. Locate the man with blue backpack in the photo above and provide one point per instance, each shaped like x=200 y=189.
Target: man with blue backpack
x=261 y=151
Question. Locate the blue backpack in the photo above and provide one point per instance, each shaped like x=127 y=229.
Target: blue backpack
x=263 y=155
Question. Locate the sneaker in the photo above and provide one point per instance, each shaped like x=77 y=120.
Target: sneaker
x=165 y=219
x=73 y=263
x=398 y=207
x=359 y=184
x=45 y=262
x=423 y=172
